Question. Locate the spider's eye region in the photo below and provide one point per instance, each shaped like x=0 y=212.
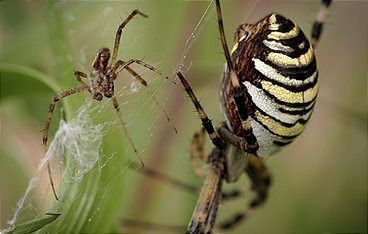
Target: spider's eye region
x=104 y=50
x=104 y=53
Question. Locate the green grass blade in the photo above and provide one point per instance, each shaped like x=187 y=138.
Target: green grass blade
x=33 y=225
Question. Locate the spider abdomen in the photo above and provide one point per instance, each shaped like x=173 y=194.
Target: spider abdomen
x=276 y=65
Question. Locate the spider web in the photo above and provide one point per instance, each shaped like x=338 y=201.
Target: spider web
x=80 y=140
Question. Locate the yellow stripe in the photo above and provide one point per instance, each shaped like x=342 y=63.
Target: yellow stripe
x=288 y=62
x=287 y=35
x=277 y=127
x=273 y=74
x=288 y=96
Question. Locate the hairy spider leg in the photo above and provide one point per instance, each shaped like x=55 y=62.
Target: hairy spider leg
x=121 y=65
x=239 y=97
x=79 y=75
x=119 y=32
x=260 y=182
x=206 y=122
x=319 y=22
x=204 y=215
x=56 y=99
x=144 y=83
x=122 y=123
x=197 y=152
x=153 y=174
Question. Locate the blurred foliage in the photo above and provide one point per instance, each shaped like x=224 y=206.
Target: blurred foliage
x=320 y=181
x=33 y=225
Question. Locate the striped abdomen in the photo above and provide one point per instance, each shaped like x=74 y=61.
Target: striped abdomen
x=276 y=65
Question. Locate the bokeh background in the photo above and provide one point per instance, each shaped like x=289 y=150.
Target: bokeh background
x=319 y=181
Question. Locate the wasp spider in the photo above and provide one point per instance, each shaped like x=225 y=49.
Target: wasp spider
x=268 y=92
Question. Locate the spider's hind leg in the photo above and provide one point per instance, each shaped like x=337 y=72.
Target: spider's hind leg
x=261 y=181
x=197 y=154
x=116 y=106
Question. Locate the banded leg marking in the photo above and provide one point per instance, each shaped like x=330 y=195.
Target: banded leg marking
x=206 y=122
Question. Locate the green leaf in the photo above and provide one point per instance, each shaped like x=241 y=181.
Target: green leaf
x=33 y=225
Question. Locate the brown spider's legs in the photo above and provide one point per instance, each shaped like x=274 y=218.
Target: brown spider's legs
x=47 y=126
x=239 y=98
x=151 y=173
x=118 y=34
x=206 y=122
x=261 y=180
x=320 y=20
x=204 y=215
x=79 y=75
x=122 y=123
x=197 y=152
x=144 y=83
x=121 y=65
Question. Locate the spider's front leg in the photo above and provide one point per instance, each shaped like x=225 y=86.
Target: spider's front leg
x=121 y=65
x=206 y=122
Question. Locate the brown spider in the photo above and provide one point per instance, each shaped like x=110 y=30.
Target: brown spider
x=100 y=83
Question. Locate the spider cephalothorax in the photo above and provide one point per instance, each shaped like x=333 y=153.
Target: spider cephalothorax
x=101 y=78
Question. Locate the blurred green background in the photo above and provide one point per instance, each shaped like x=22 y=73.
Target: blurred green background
x=320 y=181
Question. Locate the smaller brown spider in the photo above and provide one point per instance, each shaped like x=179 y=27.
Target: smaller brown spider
x=100 y=83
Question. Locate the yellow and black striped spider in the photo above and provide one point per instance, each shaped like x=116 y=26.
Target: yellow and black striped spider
x=268 y=92
x=100 y=83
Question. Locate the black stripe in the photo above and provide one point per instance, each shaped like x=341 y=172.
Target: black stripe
x=293 y=43
x=285 y=24
x=288 y=125
x=297 y=112
x=273 y=133
x=280 y=143
x=297 y=73
x=294 y=89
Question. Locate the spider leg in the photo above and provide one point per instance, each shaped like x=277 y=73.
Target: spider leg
x=119 y=32
x=151 y=173
x=79 y=75
x=319 y=22
x=261 y=180
x=47 y=126
x=144 y=83
x=121 y=65
x=239 y=98
x=204 y=215
x=197 y=152
x=122 y=123
x=206 y=122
